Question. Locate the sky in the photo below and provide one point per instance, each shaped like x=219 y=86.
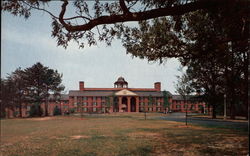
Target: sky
x=26 y=42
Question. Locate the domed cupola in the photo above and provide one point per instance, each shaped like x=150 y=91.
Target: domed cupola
x=121 y=83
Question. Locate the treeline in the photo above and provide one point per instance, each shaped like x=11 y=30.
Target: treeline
x=212 y=44
x=217 y=63
x=32 y=86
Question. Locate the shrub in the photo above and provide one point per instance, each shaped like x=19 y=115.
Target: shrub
x=36 y=110
x=57 y=111
x=72 y=110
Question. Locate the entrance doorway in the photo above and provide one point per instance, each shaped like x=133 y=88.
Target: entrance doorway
x=124 y=104
x=133 y=104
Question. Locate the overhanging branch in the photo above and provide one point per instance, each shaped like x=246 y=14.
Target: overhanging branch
x=138 y=16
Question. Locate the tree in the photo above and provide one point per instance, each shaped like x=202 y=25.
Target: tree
x=19 y=88
x=31 y=85
x=41 y=82
x=57 y=111
x=13 y=92
x=165 y=101
x=183 y=87
x=220 y=51
x=7 y=96
x=80 y=26
x=150 y=100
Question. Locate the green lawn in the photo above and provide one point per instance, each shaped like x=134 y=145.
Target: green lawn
x=115 y=134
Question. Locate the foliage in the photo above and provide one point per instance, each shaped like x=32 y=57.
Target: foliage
x=72 y=110
x=183 y=86
x=150 y=100
x=35 y=110
x=165 y=99
x=211 y=37
x=95 y=14
x=41 y=81
x=31 y=85
x=57 y=111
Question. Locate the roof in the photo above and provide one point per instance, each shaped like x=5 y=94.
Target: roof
x=117 y=89
x=63 y=97
x=90 y=93
x=110 y=93
x=121 y=80
x=189 y=97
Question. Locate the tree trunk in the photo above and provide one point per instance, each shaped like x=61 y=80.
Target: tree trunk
x=214 y=105
x=246 y=77
x=46 y=107
x=185 y=103
x=20 y=110
x=232 y=109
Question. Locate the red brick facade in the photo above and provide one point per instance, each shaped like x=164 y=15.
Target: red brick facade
x=121 y=98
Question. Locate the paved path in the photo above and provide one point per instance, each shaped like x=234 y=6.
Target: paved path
x=180 y=117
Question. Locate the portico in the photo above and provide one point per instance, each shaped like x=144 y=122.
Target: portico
x=127 y=101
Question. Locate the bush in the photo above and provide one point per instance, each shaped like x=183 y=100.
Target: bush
x=57 y=111
x=72 y=110
x=36 y=110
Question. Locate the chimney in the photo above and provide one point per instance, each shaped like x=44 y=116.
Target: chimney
x=81 y=85
x=158 y=86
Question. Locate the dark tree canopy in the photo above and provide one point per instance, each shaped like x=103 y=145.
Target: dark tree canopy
x=31 y=85
x=94 y=14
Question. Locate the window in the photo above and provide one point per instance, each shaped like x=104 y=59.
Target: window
x=140 y=98
x=94 y=109
x=94 y=98
x=141 y=104
x=65 y=107
x=85 y=103
x=103 y=103
x=158 y=103
x=84 y=98
x=85 y=109
x=141 y=109
x=158 y=109
x=94 y=103
x=178 y=106
x=149 y=109
x=103 y=109
x=103 y=98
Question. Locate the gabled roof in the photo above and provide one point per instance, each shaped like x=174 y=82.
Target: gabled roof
x=125 y=92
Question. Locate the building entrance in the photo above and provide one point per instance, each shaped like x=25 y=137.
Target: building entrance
x=133 y=104
x=124 y=104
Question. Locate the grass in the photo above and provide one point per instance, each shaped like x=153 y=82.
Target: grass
x=115 y=134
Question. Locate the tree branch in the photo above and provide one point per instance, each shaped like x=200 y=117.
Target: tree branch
x=138 y=16
x=124 y=7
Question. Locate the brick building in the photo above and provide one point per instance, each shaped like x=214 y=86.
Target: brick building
x=120 y=98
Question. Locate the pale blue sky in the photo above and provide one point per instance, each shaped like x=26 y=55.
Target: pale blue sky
x=25 y=42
